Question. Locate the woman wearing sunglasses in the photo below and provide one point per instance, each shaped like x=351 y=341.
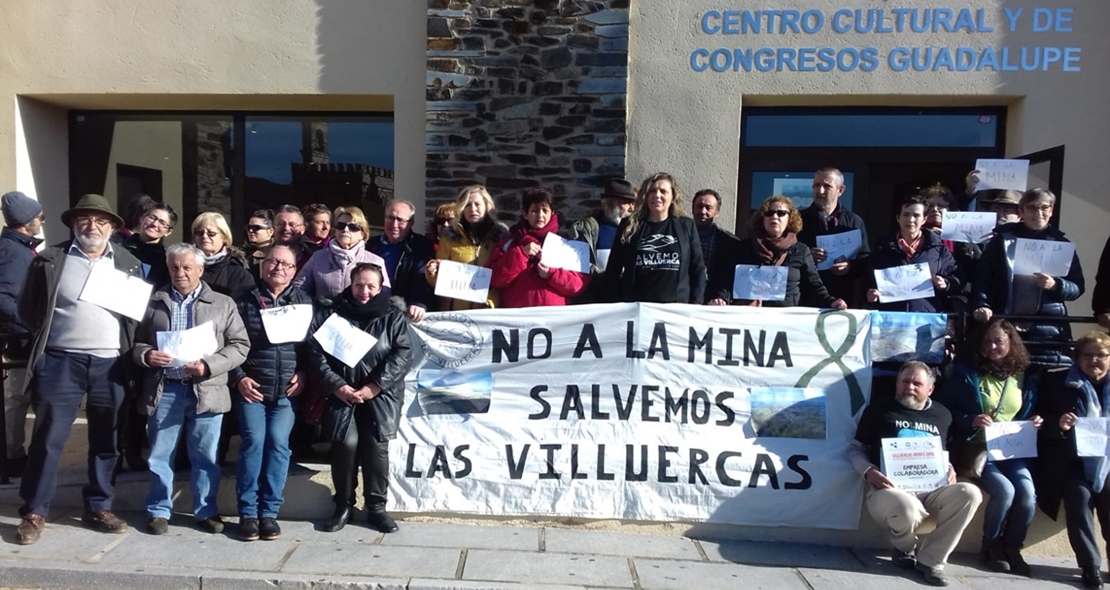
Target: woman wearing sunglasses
x=328 y=272
x=774 y=242
x=260 y=237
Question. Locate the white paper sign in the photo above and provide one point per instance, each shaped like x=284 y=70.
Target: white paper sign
x=602 y=259
x=1047 y=256
x=343 y=341
x=288 y=323
x=1011 y=440
x=844 y=246
x=117 y=291
x=186 y=346
x=1002 y=174
x=968 y=226
x=903 y=283
x=760 y=283
x=1092 y=437
x=463 y=281
x=915 y=463
x=566 y=254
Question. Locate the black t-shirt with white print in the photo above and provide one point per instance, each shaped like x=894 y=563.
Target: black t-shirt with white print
x=889 y=419
x=658 y=262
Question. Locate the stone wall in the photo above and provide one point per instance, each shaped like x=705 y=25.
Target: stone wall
x=526 y=93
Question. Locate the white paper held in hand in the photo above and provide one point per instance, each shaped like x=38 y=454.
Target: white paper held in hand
x=117 y=291
x=566 y=254
x=1011 y=440
x=1048 y=256
x=343 y=341
x=602 y=259
x=463 y=281
x=1002 y=174
x=915 y=463
x=842 y=246
x=760 y=283
x=288 y=323
x=903 y=283
x=1092 y=437
x=968 y=226
x=186 y=346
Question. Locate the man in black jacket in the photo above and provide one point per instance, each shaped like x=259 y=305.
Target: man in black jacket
x=406 y=256
x=827 y=216
x=23 y=218
x=707 y=206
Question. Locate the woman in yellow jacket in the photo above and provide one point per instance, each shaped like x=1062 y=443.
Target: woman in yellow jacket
x=469 y=240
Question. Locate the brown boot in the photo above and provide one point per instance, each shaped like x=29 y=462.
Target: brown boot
x=104 y=521
x=29 y=529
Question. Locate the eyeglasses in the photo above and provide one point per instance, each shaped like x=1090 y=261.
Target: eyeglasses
x=157 y=220
x=351 y=227
x=936 y=206
x=1094 y=356
x=257 y=228
x=776 y=213
x=88 y=219
x=1040 y=208
x=207 y=233
x=274 y=263
x=396 y=219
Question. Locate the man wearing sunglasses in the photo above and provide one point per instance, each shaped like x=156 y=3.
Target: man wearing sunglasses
x=827 y=216
x=406 y=256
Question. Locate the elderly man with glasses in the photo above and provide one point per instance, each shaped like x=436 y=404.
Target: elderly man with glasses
x=406 y=255
x=78 y=354
x=289 y=230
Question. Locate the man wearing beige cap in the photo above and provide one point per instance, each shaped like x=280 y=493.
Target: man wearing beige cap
x=77 y=355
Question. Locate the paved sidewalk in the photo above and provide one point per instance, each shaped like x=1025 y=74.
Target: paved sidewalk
x=455 y=556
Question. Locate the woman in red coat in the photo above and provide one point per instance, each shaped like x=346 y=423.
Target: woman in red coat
x=523 y=279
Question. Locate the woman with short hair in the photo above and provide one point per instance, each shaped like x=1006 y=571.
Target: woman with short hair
x=328 y=271
x=657 y=256
x=225 y=267
x=774 y=242
x=470 y=239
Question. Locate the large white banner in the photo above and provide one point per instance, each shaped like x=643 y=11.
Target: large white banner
x=636 y=411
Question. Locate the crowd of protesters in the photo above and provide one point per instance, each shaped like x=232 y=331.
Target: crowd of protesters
x=643 y=247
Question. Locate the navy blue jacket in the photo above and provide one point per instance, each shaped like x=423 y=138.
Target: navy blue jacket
x=16 y=253
x=993 y=283
x=408 y=282
x=959 y=392
x=932 y=251
x=813 y=225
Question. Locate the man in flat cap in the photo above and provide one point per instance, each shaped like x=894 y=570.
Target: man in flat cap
x=18 y=240
x=77 y=354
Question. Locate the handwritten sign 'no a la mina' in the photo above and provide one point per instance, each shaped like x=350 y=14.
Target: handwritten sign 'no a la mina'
x=1002 y=174
x=1011 y=440
x=903 y=283
x=841 y=246
x=1046 y=256
x=463 y=281
x=968 y=226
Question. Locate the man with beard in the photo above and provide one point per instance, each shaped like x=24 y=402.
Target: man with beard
x=827 y=216
x=78 y=352
x=707 y=206
x=599 y=230
x=289 y=231
x=911 y=413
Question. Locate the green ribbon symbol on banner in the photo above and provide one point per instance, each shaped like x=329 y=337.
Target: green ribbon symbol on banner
x=855 y=392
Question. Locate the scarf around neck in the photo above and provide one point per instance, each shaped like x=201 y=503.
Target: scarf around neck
x=217 y=257
x=345 y=257
x=523 y=230
x=772 y=250
x=351 y=309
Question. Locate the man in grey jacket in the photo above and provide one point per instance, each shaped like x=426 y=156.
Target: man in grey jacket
x=187 y=392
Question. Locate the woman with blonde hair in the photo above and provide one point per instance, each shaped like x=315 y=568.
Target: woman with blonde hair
x=328 y=272
x=225 y=266
x=657 y=256
x=470 y=239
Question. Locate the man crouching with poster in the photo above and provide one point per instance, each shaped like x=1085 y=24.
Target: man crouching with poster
x=906 y=436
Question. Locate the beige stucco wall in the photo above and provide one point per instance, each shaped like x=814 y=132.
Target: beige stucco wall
x=688 y=122
x=352 y=55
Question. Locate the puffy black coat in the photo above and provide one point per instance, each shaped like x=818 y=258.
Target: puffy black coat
x=803 y=282
x=993 y=282
x=932 y=251
x=229 y=276
x=386 y=364
x=408 y=282
x=271 y=365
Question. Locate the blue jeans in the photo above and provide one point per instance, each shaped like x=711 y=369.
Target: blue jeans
x=177 y=408
x=1012 y=502
x=263 y=455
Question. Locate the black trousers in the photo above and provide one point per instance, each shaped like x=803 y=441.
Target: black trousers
x=361 y=449
x=1079 y=503
x=61 y=381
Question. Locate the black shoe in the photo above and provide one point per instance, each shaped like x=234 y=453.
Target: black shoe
x=380 y=520
x=995 y=555
x=1092 y=578
x=934 y=576
x=338 y=519
x=248 y=529
x=269 y=529
x=904 y=560
x=213 y=525
x=1018 y=566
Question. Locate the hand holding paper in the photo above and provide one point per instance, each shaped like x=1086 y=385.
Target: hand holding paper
x=463 y=281
x=1002 y=174
x=567 y=254
x=760 y=283
x=968 y=226
x=1011 y=440
x=837 y=247
x=1043 y=256
x=186 y=346
x=903 y=283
